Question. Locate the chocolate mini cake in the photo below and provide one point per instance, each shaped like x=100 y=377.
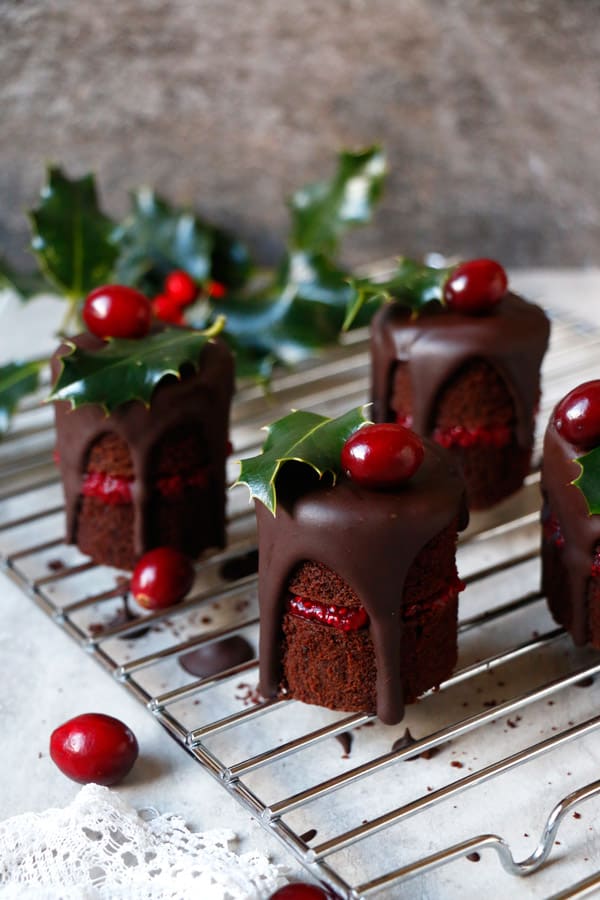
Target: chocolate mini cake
x=571 y=516
x=148 y=476
x=470 y=380
x=358 y=585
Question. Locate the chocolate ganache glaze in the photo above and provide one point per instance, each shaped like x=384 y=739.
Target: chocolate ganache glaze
x=512 y=336
x=370 y=538
x=200 y=397
x=581 y=531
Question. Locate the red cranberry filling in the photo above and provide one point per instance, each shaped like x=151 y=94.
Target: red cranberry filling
x=116 y=491
x=481 y=436
x=342 y=617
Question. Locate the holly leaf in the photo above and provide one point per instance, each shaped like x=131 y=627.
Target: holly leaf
x=411 y=284
x=71 y=235
x=323 y=212
x=17 y=380
x=588 y=480
x=157 y=238
x=127 y=369
x=24 y=284
x=230 y=261
x=303 y=437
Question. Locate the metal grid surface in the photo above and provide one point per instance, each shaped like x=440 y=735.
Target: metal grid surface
x=360 y=820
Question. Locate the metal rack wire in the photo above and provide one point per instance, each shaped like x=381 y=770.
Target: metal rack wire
x=373 y=826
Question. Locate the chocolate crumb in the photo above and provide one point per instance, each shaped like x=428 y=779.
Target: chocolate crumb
x=585 y=682
x=576 y=815
x=490 y=703
x=206 y=620
x=40 y=755
x=473 y=857
x=55 y=565
x=309 y=835
x=345 y=739
x=457 y=764
x=511 y=724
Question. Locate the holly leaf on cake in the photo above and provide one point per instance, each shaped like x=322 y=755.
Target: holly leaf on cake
x=588 y=480
x=412 y=284
x=17 y=380
x=71 y=236
x=126 y=369
x=302 y=437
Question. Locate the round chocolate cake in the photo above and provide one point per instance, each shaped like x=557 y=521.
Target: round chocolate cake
x=470 y=382
x=148 y=476
x=358 y=587
x=570 y=532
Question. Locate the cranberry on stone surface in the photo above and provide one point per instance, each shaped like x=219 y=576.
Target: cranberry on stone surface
x=95 y=748
x=181 y=287
x=216 y=290
x=161 y=578
x=475 y=286
x=577 y=416
x=382 y=456
x=300 y=890
x=117 y=311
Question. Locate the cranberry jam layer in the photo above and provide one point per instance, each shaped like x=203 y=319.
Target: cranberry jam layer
x=570 y=544
x=144 y=477
x=328 y=654
x=469 y=382
x=358 y=589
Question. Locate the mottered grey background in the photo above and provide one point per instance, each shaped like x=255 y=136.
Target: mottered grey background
x=488 y=111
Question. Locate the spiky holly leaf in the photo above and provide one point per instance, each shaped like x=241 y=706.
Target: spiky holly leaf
x=17 y=380
x=323 y=212
x=588 y=480
x=72 y=238
x=25 y=284
x=412 y=284
x=126 y=369
x=303 y=437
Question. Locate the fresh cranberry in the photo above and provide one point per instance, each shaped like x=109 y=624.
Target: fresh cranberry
x=162 y=578
x=117 y=311
x=216 y=290
x=94 y=748
x=180 y=287
x=382 y=456
x=299 y=890
x=167 y=309
x=475 y=286
x=577 y=416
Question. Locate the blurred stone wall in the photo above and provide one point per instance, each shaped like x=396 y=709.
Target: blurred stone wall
x=489 y=111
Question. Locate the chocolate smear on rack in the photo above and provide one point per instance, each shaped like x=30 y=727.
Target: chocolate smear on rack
x=345 y=738
x=210 y=659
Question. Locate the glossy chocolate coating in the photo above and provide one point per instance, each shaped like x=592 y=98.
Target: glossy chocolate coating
x=513 y=337
x=200 y=398
x=581 y=531
x=370 y=538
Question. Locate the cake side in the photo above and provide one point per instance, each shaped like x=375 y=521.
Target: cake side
x=146 y=476
x=471 y=382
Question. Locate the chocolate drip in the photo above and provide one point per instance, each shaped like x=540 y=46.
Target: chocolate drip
x=370 y=538
x=200 y=398
x=512 y=337
x=580 y=530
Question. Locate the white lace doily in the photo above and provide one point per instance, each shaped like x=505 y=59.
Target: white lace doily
x=98 y=848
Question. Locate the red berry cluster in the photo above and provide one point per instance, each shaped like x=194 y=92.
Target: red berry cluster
x=180 y=290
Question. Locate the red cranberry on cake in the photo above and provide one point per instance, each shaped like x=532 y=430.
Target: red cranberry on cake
x=456 y=356
x=358 y=589
x=142 y=417
x=571 y=513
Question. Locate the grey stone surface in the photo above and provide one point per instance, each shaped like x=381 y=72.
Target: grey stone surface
x=488 y=110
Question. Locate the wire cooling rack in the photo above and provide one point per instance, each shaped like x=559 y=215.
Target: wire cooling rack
x=501 y=756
